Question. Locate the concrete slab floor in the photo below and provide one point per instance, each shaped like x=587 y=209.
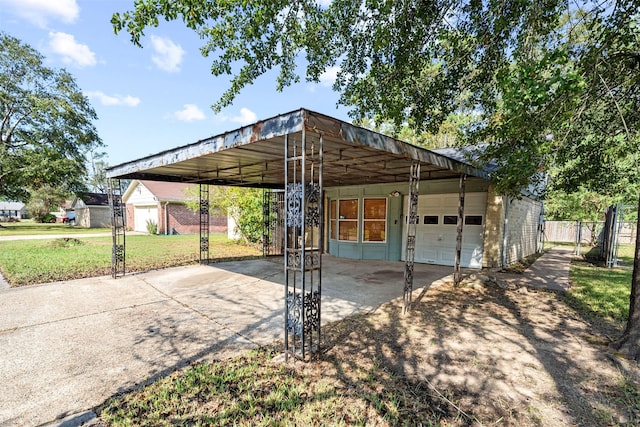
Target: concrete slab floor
x=66 y=347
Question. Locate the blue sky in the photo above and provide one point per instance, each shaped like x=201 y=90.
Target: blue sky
x=150 y=99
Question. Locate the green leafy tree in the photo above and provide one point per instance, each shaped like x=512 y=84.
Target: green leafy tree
x=46 y=124
x=97 y=175
x=551 y=83
x=579 y=205
x=44 y=200
x=446 y=136
x=244 y=205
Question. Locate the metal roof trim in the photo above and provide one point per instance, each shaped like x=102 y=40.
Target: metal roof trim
x=259 y=131
x=289 y=123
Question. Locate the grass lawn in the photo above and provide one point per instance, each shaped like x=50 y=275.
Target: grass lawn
x=602 y=293
x=29 y=228
x=25 y=262
x=246 y=390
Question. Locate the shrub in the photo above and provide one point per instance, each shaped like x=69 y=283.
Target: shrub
x=47 y=218
x=152 y=227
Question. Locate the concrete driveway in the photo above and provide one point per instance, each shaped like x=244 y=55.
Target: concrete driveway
x=66 y=347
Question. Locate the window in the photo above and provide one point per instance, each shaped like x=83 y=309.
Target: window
x=473 y=220
x=375 y=220
x=333 y=223
x=348 y=220
x=430 y=219
x=450 y=220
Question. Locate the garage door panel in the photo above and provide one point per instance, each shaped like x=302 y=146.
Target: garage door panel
x=142 y=214
x=447 y=256
x=471 y=238
x=436 y=243
x=429 y=256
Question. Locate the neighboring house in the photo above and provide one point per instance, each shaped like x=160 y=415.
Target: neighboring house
x=164 y=203
x=12 y=210
x=92 y=210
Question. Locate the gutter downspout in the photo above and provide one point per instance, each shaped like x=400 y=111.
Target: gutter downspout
x=166 y=219
x=505 y=240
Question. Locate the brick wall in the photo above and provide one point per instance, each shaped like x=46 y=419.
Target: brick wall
x=184 y=221
x=493 y=230
x=129 y=220
x=522 y=229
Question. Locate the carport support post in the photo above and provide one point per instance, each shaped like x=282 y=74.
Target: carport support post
x=272 y=222
x=457 y=276
x=303 y=246
x=204 y=223
x=414 y=182
x=118 y=224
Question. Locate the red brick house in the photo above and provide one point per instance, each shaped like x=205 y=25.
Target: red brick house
x=164 y=203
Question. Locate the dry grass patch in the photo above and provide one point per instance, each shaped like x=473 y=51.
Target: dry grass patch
x=464 y=356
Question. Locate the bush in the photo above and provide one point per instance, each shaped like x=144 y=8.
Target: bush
x=47 y=218
x=152 y=227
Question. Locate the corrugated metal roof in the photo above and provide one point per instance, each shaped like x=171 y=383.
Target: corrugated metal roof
x=253 y=156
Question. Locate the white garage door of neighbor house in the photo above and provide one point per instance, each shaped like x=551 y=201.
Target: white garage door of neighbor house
x=437 y=228
x=143 y=213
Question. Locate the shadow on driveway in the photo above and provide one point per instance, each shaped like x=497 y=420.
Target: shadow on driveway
x=66 y=347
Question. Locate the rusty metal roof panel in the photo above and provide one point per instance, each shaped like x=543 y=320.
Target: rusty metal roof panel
x=254 y=155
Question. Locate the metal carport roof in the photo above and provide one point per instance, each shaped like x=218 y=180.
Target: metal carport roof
x=253 y=156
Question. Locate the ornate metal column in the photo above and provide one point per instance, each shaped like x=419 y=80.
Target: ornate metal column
x=414 y=182
x=118 y=224
x=204 y=224
x=457 y=276
x=273 y=222
x=303 y=245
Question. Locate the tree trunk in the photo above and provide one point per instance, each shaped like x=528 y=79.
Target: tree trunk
x=629 y=343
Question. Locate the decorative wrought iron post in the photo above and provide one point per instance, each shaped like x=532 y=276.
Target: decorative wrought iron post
x=204 y=224
x=266 y=221
x=457 y=275
x=414 y=182
x=303 y=246
x=118 y=224
x=272 y=222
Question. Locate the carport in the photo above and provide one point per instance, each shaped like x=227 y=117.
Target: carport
x=294 y=157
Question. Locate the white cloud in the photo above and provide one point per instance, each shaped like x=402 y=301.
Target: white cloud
x=168 y=55
x=114 y=100
x=39 y=12
x=328 y=78
x=71 y=51
x=189 y=113
x=245 y=117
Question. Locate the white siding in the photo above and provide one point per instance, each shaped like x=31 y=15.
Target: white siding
x=141 y=196
x=522 y=229
x=145 y=207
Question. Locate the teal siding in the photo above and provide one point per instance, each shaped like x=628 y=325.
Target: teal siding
x=392 y=248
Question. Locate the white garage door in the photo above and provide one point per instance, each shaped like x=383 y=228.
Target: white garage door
x=436 y=229
x=143 y=213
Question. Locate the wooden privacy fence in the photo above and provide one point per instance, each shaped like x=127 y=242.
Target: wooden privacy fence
x=566 y=231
